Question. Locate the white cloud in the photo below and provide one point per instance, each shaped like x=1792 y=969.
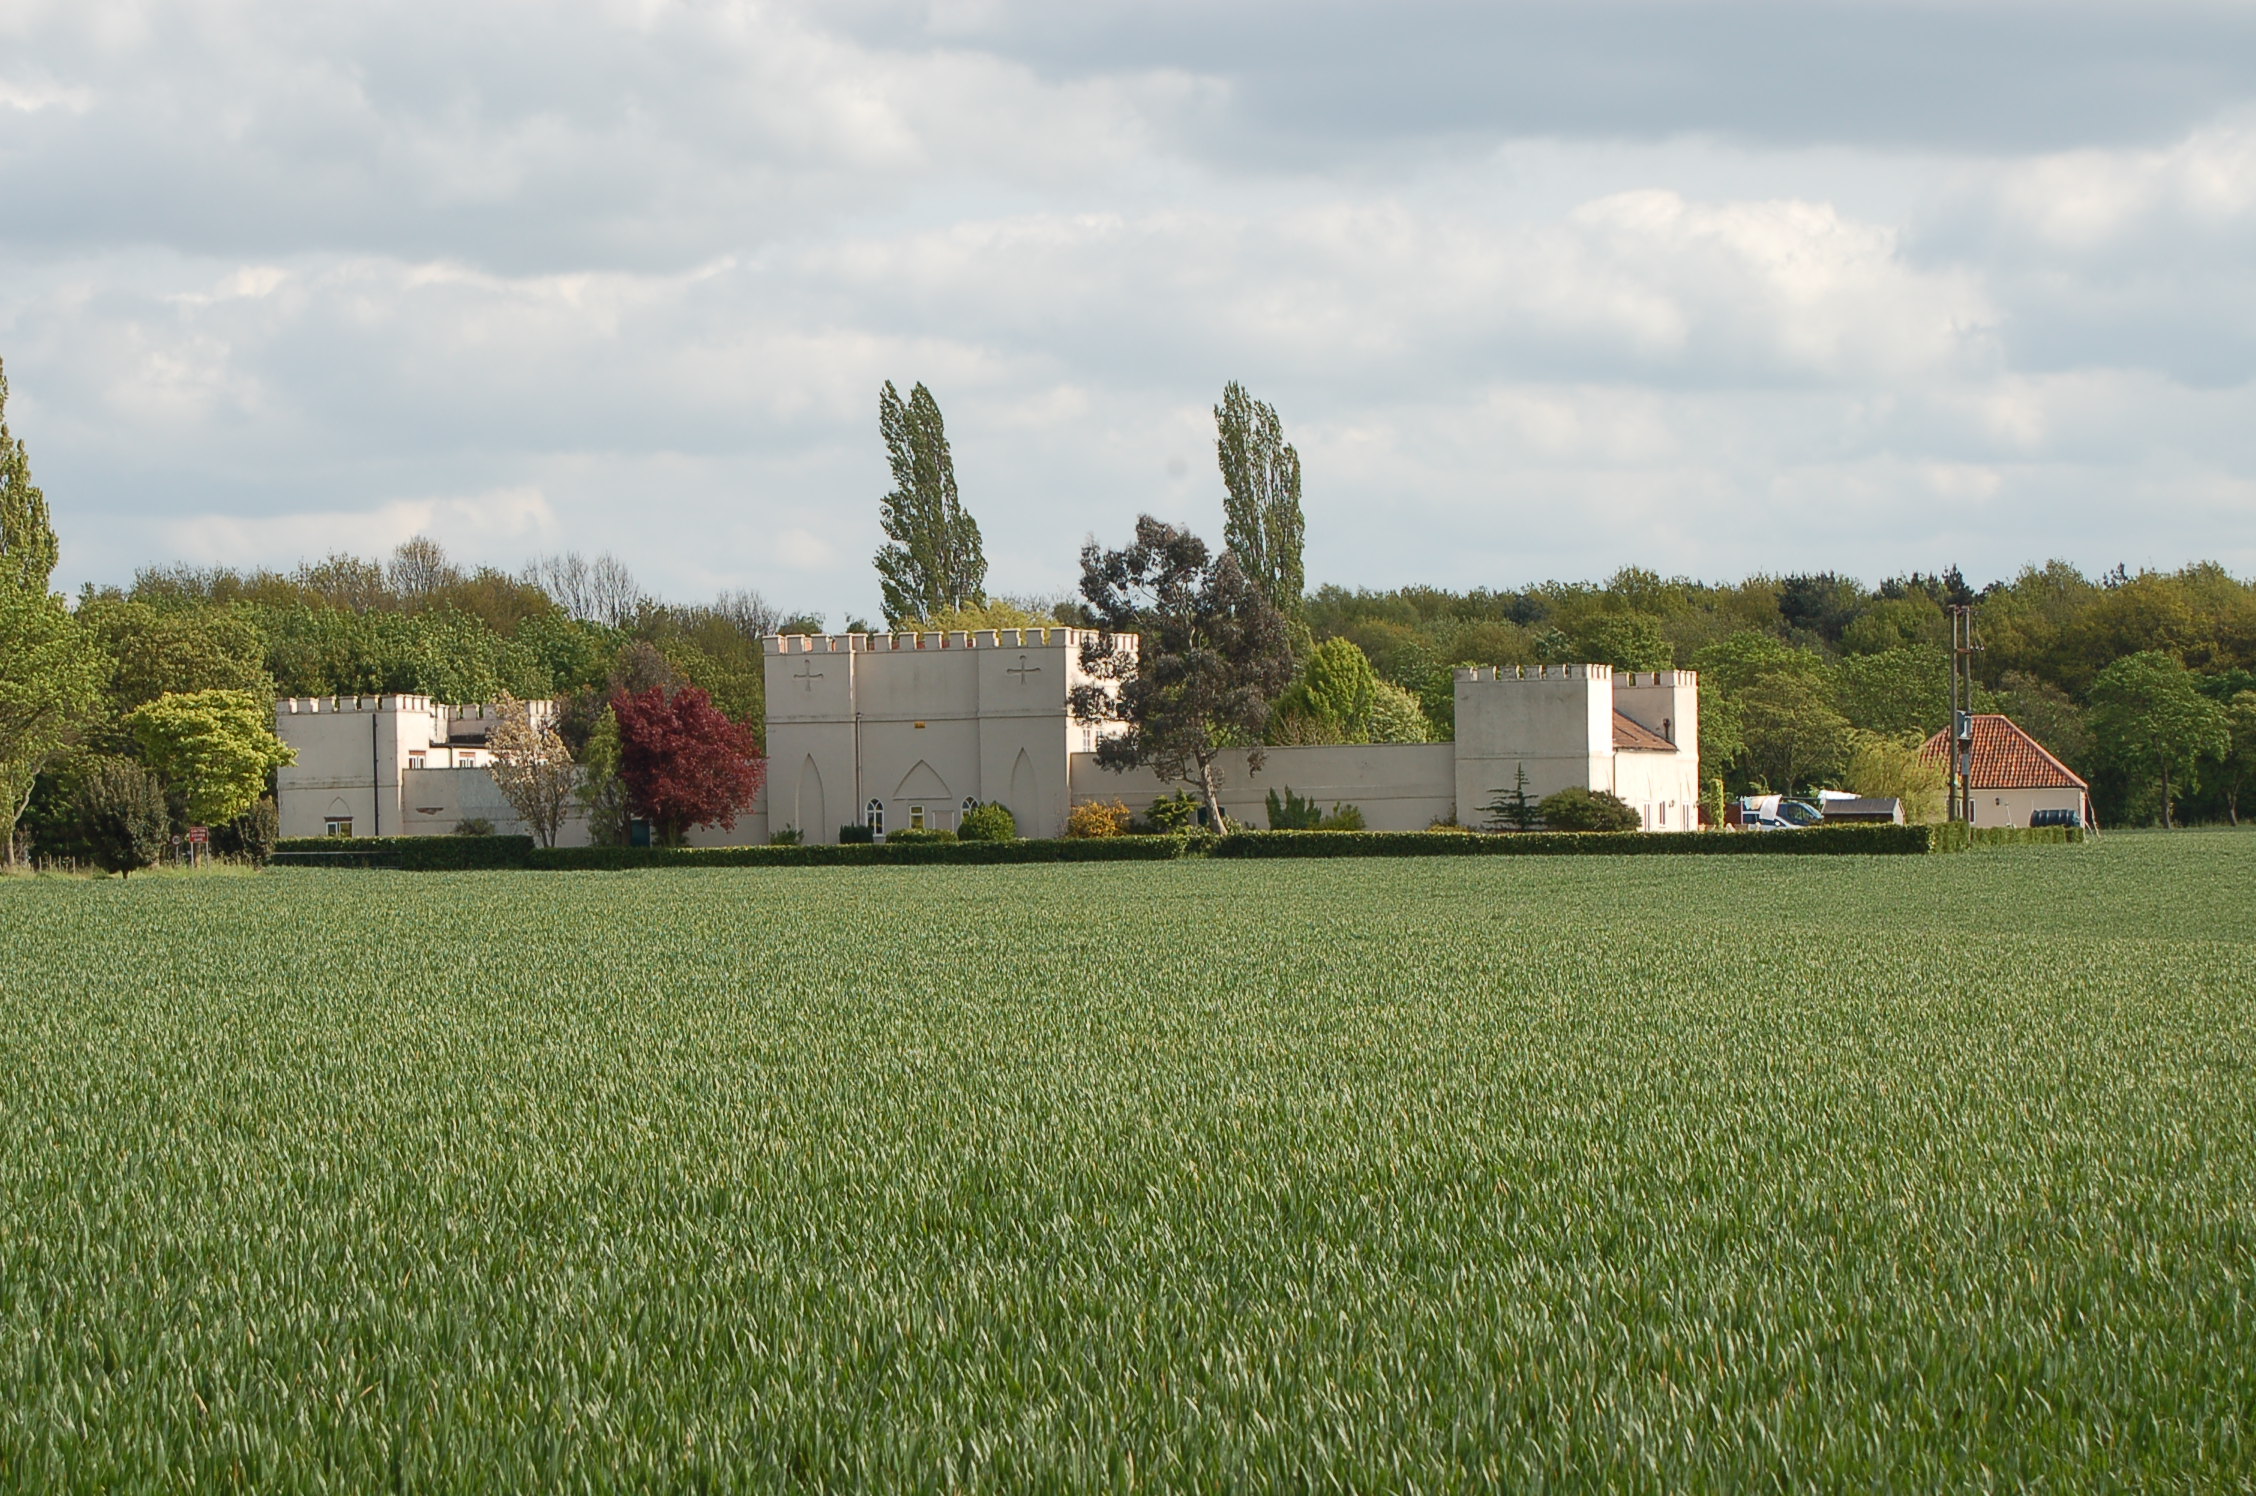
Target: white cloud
x=1624 y=280
x=505 y=523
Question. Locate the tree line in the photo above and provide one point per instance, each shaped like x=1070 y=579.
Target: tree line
x=129 y=710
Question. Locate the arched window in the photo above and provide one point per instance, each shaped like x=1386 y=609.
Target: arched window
x=971 y=803
x=874 y=817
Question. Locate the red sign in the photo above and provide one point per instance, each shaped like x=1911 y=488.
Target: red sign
x=198 y=835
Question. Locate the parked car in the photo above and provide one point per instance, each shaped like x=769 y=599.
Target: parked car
x=1776 y=813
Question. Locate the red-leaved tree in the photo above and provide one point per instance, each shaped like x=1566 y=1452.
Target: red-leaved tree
x=684 y=762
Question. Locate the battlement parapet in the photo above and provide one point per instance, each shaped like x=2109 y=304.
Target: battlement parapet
x=1552 y=673
x=1049 y=637
x=1657 y=678
x=339 y=705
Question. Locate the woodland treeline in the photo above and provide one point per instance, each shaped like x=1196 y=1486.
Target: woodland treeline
x=1794 y=669
x=2145 y=683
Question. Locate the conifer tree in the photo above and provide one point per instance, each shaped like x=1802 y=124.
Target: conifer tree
x=27 y=540
x=934 y=563
x=1263 y=526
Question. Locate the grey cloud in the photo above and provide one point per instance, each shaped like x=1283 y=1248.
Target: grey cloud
x=1311 y=79
x=629 y=279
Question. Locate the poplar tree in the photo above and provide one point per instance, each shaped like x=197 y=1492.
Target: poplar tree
x=934 y=563
x=1263 y=526
x=27 y=540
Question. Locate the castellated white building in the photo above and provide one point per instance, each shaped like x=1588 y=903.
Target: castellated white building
x=901 y=730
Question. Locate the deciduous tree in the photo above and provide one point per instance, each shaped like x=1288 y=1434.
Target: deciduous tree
x=214 y=749
x=1263 y=526
x=1889 y=767
x=1793 y=734
x=532 y=768
x=2152 y=721
x=933 y=562
x=684 y=762
x=2239 y=767
x=27 y=539
x=1213 y=653
x=51 y=679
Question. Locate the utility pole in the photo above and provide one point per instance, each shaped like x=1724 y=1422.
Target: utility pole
x=1963 y=649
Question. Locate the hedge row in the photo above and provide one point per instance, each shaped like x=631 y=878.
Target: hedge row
x=1957 y=836
x=1859 y=840
x=861 y=854
x=415 y=854
x=464 y=853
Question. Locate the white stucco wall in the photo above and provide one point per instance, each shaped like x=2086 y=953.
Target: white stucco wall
x=921 y=721
x=2012 y=807
x=932 y=720
x=1397 y=786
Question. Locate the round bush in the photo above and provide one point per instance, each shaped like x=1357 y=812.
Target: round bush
x=1578 y=809
x=988 y=822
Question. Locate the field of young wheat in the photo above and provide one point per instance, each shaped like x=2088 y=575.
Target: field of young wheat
x=1543 y=1173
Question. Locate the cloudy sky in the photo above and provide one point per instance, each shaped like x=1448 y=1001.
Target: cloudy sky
x=1540 y=289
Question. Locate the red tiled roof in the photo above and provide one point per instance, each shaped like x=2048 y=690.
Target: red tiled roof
x=2006 y=758
x=1628 y=734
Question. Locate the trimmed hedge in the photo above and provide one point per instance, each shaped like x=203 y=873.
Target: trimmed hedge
x=1957 y=836
x=415 y=854
x=1867 y=840
x=466 y=853
x=864 y=854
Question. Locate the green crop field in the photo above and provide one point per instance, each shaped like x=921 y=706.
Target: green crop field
x=1528 y=1173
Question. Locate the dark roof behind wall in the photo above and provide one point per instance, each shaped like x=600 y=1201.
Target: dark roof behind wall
x=1638 y=737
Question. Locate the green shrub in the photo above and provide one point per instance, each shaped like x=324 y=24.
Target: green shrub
x=1577 y=809
x=473 y=826
x=1096 y=819
x=990 y=822
x=1293 y=813
x=122 y=818
x=1342 y=818
x=1173 y=813
x=910 y=836
x=785 y=836
x=252 y=834
x=856 y=836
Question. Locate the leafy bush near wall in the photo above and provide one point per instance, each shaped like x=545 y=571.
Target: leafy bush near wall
x=988 y=822
x=415 y=854
x=1577 y=809
x=911 y=835
x=1816 y=841
x=1096 y=819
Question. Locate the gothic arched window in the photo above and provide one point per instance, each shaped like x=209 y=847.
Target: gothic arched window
x=874 y=817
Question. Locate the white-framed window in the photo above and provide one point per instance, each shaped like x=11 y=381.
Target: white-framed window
x=916 y=818
x=466 y=759
x=416 y=760
x=873 y=815
x=336 y=826
x=971 y=803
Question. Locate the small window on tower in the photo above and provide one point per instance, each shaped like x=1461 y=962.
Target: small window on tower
x=337 y=826
x=416 y=760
